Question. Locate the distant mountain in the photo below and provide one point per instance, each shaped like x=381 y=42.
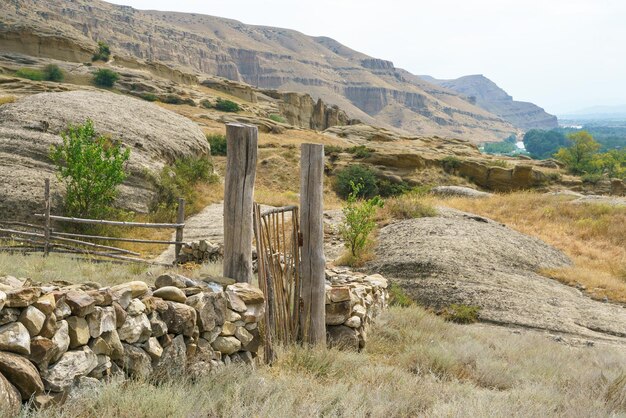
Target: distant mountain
x=597 y=113
x=485 y=93
x=367 y=88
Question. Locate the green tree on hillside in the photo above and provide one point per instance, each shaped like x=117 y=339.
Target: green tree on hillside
x=579 y=156
x=543 y=144
x=92 y=167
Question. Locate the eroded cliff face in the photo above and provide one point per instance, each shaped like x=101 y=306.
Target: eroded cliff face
x=485 y=93
x=367 y=88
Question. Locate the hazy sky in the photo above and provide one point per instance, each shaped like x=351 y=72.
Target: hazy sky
x=563 y=55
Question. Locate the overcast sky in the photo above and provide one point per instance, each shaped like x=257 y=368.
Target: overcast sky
x=563 y=55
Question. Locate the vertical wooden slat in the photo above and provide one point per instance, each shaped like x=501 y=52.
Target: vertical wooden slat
x=241 y=159
x=313 y=263
x=180 y=218
x=46 y=245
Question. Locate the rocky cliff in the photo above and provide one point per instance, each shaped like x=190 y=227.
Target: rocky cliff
x=367 y=88
x=485 y=93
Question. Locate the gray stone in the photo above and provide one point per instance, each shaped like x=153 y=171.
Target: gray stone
x=337 y=313
x=153 y=348
x=46 y=304
x=50 y=326
x=62 y=310
x=171 y=293
x=8 y=315
x=246 y=292
x=21 y=373
x=42 y=351
x=15 y=338
x=342 y=337
x=159 y=327
x=135 y=307
x=71 y=365
x=21 y=298
x=243 y=335
x=113 y=340
x=33 y=319
x=226 y=345
x=220 y=306
x=78 y=331
x=101 y=320
x=353 y=322
x=103 y=368
x=3 y=300
x=206 y=312
x=137 y=288
x=235 y=302
x=136 y=329
x=10 y=398
x=179 y=318
x=171 y=279
x=254 y=313
x=136 y=362
x=61 y=340
x=173 y=361
x=80 y=303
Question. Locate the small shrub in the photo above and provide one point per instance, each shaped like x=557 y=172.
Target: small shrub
x=356 y=174
x=217 y=143
x=30 y=74
x=332 y=149
x=6 y=99
x=461 y=314
x=103 y=53
x=277 y=118
x=225 y=105
x=91 y=167
x=387 y=188
x=592 y=178
x=499 y=163
x=450 y=163
x=398 y=297
x=105 y=77
x=52 y=72
x=409 y=206
x=360 y=151
x=149 y=97
x=177 y=100
x=360 y=220
x=206 y=104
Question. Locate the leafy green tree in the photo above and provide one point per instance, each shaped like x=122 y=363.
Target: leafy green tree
x=92 y=167
x=52 y=72
x=543 y=144
x=217 y=143
x=105 y=77
x=360 y=220
x=612 y=163
x=499 y=147
x=579 y=156
x=511 y=139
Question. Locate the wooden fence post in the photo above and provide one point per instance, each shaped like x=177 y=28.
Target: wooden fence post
x=46 y=244
x=180 y=218
x=241 y=156
x=313 y=263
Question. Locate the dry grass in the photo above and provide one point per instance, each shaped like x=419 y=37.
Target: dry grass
x=7 y=99
x=593 y=235
x=415 y=364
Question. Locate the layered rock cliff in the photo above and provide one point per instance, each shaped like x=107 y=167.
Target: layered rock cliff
x=485 y=93
x=366 y=88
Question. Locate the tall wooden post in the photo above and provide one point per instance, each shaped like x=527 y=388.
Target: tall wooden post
x=241 y=156
x=180 y=219
x=46 y=230
x=313 y=263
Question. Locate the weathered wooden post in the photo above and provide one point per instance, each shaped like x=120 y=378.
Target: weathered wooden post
x=313 y=263
x=46 y=230
x=241 y=158
x=180 y=219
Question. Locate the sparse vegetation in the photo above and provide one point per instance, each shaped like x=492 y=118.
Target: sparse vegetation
x=30 y=74
x=6 y=99
x=450 y=163
x=332 y=149
x=225 y=105
x=217 y=143
x=149 y=97
x=105 y=77
x=398 y=297
x=410 y=205
x=360 y=151
x=360 y=220
x=499 y=163
x=103 y=53
x=461 y=314
x=177 y=100
x=52 y=72
x=91 y=167
x=277 y=118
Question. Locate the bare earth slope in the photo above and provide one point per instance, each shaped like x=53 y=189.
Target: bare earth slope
x=31 y=125
x=367 y=88
x=486 y=94
x=460 y=258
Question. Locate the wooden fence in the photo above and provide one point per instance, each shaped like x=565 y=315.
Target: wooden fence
x=44 y=238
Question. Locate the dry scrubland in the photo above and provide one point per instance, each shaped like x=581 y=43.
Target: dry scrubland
x=415 y=364
x=593 y=235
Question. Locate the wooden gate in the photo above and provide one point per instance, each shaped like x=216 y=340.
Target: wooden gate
x=278 y=244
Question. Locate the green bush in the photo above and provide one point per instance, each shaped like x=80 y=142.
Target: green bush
x=30 y=74
x=462 y=314
x=398 y=297
x=52 y=72
x=105 y=77
x=92 y=167
x=179 y=180
x=177 y=100
x=225 y=105
x=360 y=220
x=277 y=118
x=360 y=151
x=217 y=143
x=150 y=97
x=450 y=163
x=388 y=188
x=357 y=174
x=103 y=53
x=206 y=104
x=332 y=149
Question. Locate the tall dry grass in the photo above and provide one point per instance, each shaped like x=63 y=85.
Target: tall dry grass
x=592 y=234
x=415 y=364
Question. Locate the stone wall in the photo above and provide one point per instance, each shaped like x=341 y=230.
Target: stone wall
x=199 y=252
x=56 y=336
x=353 y=300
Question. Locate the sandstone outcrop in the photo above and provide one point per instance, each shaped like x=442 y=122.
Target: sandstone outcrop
x=32 y=124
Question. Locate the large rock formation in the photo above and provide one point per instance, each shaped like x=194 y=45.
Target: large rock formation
x=485 y=93
x=367 y=88
x=31 y=125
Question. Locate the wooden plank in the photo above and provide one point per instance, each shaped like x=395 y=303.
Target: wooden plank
x=180 y=219
x=241 y=159
x=313 y=263
x=112 y=223
x=23 y=224
x=46 y=227
x=105 y=238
